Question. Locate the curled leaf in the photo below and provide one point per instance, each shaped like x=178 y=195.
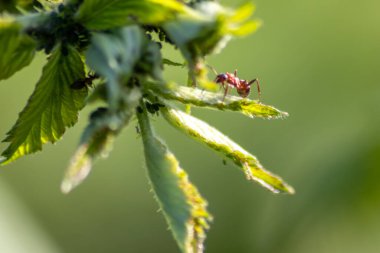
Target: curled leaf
x=210 y=136
x=97 y=139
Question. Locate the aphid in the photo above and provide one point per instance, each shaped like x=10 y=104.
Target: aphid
x=153 y=108
x=243 y=87
x=83 y=82
x=139 y=109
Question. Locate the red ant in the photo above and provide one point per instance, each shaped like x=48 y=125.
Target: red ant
x=243 y=87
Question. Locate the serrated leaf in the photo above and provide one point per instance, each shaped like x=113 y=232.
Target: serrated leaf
x=52 y=107
x=202 y=98
x=210 y=136
x=17 y=50
x=107 y=14
x=97 y=139
x=114 y=55
x=181 y=203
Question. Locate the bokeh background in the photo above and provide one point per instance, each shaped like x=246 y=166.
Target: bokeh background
x=319 y=60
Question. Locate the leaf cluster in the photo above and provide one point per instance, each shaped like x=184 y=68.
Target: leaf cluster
x=110 y=52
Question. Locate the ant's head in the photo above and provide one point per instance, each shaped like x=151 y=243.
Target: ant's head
x=221 y=78
x=244 y=88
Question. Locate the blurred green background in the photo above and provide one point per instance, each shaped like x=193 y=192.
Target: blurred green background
x=319 y=60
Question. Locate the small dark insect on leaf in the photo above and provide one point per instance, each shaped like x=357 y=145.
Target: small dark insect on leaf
x=153 y=108
x=224 y=162
x=139 y=109
x=85 y=82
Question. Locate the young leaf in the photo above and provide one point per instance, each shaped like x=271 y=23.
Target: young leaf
x=107 y=14
x=210 y=136
x=52 y=107
x=17 y=50
x=202 y=98
x=114 y=55
x=95 y=142
x=208 y=30
x=181 y=203
x=97 y=139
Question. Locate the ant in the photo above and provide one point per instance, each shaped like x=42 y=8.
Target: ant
x=83 y=82
x=243 y=87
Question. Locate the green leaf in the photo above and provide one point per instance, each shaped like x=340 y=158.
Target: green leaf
x=52 y=107
x=97 y=139
x=210 y=136
x=17 y=50
x=114 y=55
x=107 y=14
x=181 y=203
x=209 y=28
x=96 y=142
x=243 y=13
x=202 y=98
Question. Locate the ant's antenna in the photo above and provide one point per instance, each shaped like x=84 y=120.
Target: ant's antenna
x=212 y=69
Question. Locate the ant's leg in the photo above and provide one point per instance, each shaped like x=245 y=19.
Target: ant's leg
x=235 y=72
x=221 y=86
x=257 y=85
x=225 y=91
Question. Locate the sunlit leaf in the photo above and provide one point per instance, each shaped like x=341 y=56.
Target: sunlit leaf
x=17 y=50
x=210 y=136
x=243 y=13
x=106 y=14
x=52 y=107
x=181 y=203
x=244 y=29
x=202 y=98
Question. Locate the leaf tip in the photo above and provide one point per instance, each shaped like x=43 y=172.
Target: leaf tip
x=66 y=186
x=290 y=190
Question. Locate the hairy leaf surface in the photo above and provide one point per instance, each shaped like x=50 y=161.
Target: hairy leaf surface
x=181 y=203
x=202 y=98
x=210 y=136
